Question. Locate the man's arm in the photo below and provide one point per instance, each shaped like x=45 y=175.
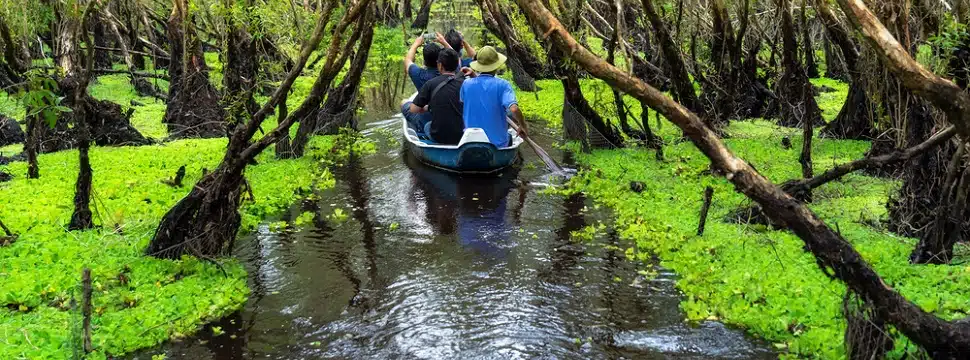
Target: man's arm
x=441 y=40
x=518 y=118
x=417 y=109
x=469 y=50
x=421 y=101
x=512 y=105
x=412 y=52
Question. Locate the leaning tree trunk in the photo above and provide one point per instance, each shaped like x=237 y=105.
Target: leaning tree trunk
x=579 y=117
x=193 y=103
x=340 y=108
x=721 y=86
x=683 y=85
x=621 y=110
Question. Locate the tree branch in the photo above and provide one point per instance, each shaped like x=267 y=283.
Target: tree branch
x=875 y=162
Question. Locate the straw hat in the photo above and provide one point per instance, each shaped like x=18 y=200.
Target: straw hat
x=488 y=60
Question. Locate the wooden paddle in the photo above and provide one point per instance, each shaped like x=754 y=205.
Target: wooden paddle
x=539 y=151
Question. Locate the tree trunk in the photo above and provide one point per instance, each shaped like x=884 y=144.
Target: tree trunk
x=142 y=86
x=72 y=30
x=857 y=117
x=421 y=20
x=81 y=218
x=240 y=72
x=193 y=103
x=581 y=115
x=920 y=209
x=834 y=65
x=284 y=150
x=406 y=11
x=499 y=24
x=683 y=85
x=621 y=111
x=811 y=67
x=102 y=58
x=31 y=147
x=795 y=92
x=340 y=107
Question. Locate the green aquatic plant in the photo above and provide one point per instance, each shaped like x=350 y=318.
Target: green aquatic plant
x=751 y=276
x=755 y=277
x=338 y=215
x=138 y=301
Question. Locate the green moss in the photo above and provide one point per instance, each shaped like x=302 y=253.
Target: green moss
x=158 y=299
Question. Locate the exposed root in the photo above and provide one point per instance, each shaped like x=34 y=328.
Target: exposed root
x=108 y=126
x=866 y=335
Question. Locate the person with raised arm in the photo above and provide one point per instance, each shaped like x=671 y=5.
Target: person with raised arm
x=419 y=76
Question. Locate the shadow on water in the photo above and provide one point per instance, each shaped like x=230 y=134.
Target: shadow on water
x=431 y=265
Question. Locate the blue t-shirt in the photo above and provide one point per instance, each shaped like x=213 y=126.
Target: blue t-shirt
x=420 y=75
x=487 y=100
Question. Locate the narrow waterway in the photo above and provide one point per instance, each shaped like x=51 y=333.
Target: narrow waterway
x=432 y=266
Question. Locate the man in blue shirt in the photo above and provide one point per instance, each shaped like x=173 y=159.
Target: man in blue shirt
x=419 y=76
x=488 y=100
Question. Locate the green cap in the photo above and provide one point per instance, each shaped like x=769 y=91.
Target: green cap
x=488 y=60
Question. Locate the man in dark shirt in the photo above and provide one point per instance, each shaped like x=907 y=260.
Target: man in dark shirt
x=440 y=96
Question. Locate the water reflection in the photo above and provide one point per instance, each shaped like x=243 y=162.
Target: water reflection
x=471 y=207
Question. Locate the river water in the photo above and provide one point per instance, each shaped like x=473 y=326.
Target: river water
x=432 y=266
